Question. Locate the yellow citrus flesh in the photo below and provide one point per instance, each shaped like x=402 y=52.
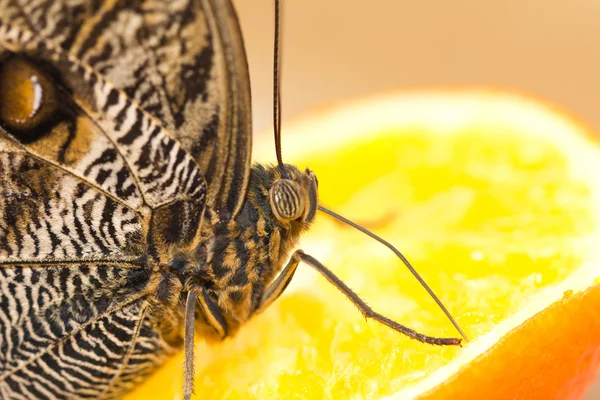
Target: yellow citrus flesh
x=492 y=197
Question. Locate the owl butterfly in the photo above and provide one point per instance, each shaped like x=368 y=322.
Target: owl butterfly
x=130 y=215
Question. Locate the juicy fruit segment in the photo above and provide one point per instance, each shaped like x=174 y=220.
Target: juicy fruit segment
x=491 y=197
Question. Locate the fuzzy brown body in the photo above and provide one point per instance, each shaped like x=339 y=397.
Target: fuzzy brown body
x=233 y=258
x=125 y=181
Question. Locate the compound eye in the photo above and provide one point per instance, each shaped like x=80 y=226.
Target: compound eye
x=288 y=200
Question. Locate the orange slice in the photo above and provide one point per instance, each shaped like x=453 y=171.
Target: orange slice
x=495 y=199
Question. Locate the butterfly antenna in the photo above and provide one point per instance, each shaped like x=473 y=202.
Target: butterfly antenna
x=277 y=88
x=404 y=260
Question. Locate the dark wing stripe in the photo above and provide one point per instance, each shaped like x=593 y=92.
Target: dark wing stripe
x=125 y=262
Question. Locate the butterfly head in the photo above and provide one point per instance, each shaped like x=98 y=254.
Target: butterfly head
x=246 y=252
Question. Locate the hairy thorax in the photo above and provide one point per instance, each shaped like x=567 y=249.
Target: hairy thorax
x=232 y=258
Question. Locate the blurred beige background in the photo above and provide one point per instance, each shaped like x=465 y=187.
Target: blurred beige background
x=336 y=49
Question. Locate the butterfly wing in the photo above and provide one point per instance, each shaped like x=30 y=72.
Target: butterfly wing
x=182 y=62
x=66 y=334
x=78 y=191
x=73 y=297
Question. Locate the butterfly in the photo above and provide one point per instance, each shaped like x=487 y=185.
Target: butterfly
x=131 y=218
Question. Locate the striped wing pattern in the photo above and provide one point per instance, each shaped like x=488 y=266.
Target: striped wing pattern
x=63 y=336
x=49 y=214
x=145 y=126
x=180 y=61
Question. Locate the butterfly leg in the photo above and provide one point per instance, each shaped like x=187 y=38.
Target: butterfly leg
x=284 y=278
x=197 y=296
x=280 y=283
x=188 y=343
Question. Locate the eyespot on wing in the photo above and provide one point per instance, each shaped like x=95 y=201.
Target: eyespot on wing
x=28 y=98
